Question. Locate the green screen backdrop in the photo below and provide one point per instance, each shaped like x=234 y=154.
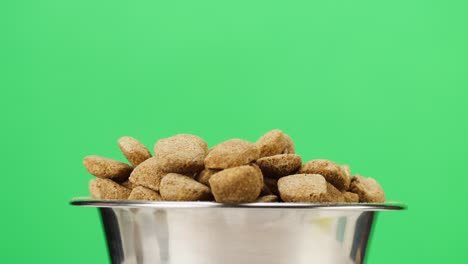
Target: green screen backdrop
x=379 y=85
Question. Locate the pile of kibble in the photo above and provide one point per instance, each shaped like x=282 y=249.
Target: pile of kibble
x=234 y=171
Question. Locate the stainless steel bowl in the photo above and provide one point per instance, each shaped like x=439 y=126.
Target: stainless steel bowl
x=213 y=233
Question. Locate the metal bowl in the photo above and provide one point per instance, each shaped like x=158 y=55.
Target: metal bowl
x=214 y=233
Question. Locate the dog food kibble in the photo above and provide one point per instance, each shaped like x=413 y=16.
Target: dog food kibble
x=279 y=165
x=333 y=173
x=332 y=195
x=351 y=197
x=178 y=187
x=148 y=174
x=273 y=143
x=231 y=153
x=346 y=170
x=107 y=168
x=267 y=199
x=237 y=185
x=205 y=175
x=234 y=171
x=302 y=188
x=290 y=148
x=128 y=184
x=182 y=153
x=105 y=189
x=133 y=150
x=143 y=193
x=368 y=190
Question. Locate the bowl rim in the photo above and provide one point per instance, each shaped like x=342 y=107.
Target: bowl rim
x=89 y=202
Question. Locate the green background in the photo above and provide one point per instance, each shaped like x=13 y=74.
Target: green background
x=379 y=85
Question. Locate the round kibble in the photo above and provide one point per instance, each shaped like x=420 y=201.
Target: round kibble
x=290 y=148
x=133 y=150
x=272 y=143
x=178 y=187
x=333 y=173
x=267 y=199
x=105 y=189
x=181 y=153
x=205 y=175
x=148 y=174
x=128 y=184
x=346 y=170
x=280 y=165
x=333 y=195
x=302 y=188
x=237 y=185
x=351 y=197
x=368 y=190
x=107 y=168
x=231 y=153
x=143 y=193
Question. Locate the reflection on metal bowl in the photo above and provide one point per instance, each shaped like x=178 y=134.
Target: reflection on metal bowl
x=213 y=233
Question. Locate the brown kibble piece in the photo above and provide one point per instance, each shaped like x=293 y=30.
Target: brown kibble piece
x=178 y=187
x=368 y=189
x=290 y=148
x=128 y=184
x=231 y=153
x=280 y=165
x=205 y=175
x=105 y=189
x=302 y=188
x=107 y=168
x=333 y=173
x=272 y=143
x=181 y=153
x=333 y=195
x=267 y=199
x=143 y=193
x=351 y=197
x=148 y=174
x=133 y=150
x=237 y=185
x=346 y=170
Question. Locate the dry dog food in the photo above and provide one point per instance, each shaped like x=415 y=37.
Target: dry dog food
x=178 y=187
x=143 y=193
x=290 y=149
x=237 y=185
x=181 y=153
x=333 y=173
x=148 y=174
x=273 y=143
x=128 y=184
x=333 y=195
x=205 y=175
x=234 y=171
x=368 y=190
x=302 y=188
x=280 y=165
x=107 y=168
x=106 y=189
x=267 y=199
x=351 y=197
x=231 y=153
x=133 y=150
